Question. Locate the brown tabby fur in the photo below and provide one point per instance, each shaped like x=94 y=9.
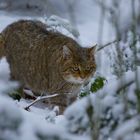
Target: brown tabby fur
x=1 y=45
x=38 y=61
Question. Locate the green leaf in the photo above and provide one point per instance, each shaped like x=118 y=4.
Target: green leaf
x=83 y=94
x=97 y=84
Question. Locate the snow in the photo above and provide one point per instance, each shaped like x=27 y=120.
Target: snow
x=54 y=22
x=115 y=85
x=126 y=128
x=5 y=84
x=118 y=109
x=108 y=101
x=10 y=119
x=76 y=115
x=6 y=110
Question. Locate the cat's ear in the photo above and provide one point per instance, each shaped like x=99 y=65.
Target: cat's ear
x=92 y=50
x=66 y=52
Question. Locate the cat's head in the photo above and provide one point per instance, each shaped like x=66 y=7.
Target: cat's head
x=78 y=64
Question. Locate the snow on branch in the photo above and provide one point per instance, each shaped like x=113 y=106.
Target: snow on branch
x=123 y=82
x=54 y=21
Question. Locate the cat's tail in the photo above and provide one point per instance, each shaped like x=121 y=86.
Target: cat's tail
x=2 y=42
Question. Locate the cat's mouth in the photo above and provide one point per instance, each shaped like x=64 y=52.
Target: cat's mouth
x=75 y=80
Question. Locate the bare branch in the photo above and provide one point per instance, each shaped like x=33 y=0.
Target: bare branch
x=124 y=86
x=40 y=99
x=107 y=44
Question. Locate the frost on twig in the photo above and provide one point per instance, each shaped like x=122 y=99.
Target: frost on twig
x=54 y=22
x=40 y=99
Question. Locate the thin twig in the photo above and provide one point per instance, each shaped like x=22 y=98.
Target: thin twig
x=100 y=47
x=107 y=44
x=124 y=86
x=40 y=99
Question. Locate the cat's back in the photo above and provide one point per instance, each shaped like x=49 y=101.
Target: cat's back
x=33 y=32
x=25 y=25
x=25 y=29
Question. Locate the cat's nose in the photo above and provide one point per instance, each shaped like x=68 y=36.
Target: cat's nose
x=82 y=76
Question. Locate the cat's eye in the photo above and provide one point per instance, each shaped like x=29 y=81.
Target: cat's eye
x=88 y=68
x=75 y=68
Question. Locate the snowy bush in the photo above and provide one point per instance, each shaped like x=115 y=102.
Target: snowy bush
x=58 y=24
x=122 y=55
x=108 y=113
x=10 y=119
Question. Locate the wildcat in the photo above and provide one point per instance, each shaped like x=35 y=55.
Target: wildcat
x=47 y=62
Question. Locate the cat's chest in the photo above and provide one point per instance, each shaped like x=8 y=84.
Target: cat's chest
x=72 y=89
